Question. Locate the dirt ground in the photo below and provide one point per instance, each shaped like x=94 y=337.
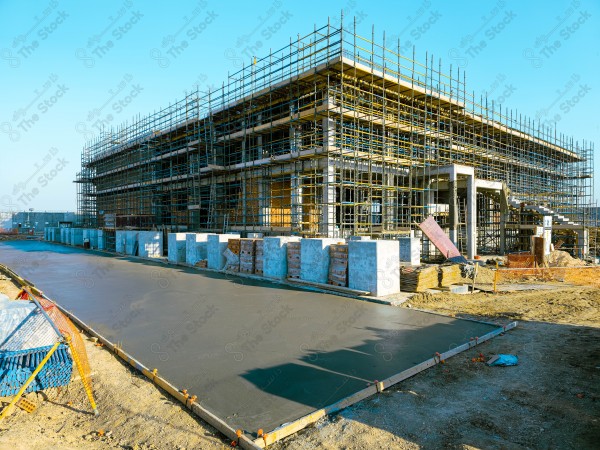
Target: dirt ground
x=550 y=400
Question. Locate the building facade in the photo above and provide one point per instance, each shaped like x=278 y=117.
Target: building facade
x=337 y=135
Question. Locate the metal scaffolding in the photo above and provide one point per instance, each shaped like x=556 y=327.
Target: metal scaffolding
x=335 y=135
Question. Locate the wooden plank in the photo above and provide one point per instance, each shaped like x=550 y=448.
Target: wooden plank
x=438 y=238
x=330 y=287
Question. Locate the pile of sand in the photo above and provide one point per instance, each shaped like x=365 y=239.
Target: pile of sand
x=562 y=259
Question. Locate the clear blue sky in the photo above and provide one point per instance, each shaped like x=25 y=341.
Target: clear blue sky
x=68 y=66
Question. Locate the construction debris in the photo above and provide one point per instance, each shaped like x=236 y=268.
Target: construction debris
x=293 y=259
x=247 y=255
x=338 y=265
x=418 y=279
x=259 y=257
x=558 y=258
x=450 y=274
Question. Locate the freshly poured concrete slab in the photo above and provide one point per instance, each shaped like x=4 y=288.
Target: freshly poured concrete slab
x=256 y=354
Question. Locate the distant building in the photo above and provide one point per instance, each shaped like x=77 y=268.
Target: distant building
x=38 y=220
x=5 y=220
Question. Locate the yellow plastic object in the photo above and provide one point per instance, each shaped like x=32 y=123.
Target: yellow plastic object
x=26 y=405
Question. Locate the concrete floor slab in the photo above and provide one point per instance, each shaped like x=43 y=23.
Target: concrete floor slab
x=257 y=354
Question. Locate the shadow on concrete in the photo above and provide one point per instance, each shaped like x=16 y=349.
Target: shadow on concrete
x=550 y=400
x=325 y=376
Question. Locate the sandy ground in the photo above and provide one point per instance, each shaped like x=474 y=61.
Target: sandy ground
x=550 y=400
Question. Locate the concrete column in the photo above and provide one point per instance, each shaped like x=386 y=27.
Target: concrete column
x=259 y=144
x=471 y=217
x=583 y=242
x=216 y=245
x=176 y=243
x=373 y=266
x=244 y=159
x=327 y=225
x=275 y=256
x=196 y=247
x=453 y=209
x=328 y=134
x=263 y=203
x=410 y=250
x=150 y=244
x=295 y=139
x=296 y=194
x=101 y=243
x=389 y=202
x=314 y=259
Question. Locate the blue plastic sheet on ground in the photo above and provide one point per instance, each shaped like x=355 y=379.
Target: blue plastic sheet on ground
x=503 y=360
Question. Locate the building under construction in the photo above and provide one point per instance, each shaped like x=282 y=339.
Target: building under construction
x=338 y=135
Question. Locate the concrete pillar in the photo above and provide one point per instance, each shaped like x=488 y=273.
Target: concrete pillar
x=471 y=217
x=259 y=145
x=453 y=209
x=503 y=219
x=150 y=244
x=295 y=139
x=296 y=194
x=216 y=245
x=264 y=218
x=131 y=243
x=373 y=266
x=328 y=134
x=275 y=256
x=389 y=202
x=176 y=246
x=77 y=236
x=410 y=250
x=583 y=242
x=101 y=243
x=196 y=247
x=327 y=225
x=314 y=259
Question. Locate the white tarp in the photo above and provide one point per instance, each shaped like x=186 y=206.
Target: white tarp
x=23 y=326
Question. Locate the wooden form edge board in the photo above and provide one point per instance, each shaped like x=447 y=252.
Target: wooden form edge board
x=297 y=425
x=243 y=441
x=286 y=429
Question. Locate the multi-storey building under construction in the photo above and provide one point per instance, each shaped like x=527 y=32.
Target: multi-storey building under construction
x=337 y=135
